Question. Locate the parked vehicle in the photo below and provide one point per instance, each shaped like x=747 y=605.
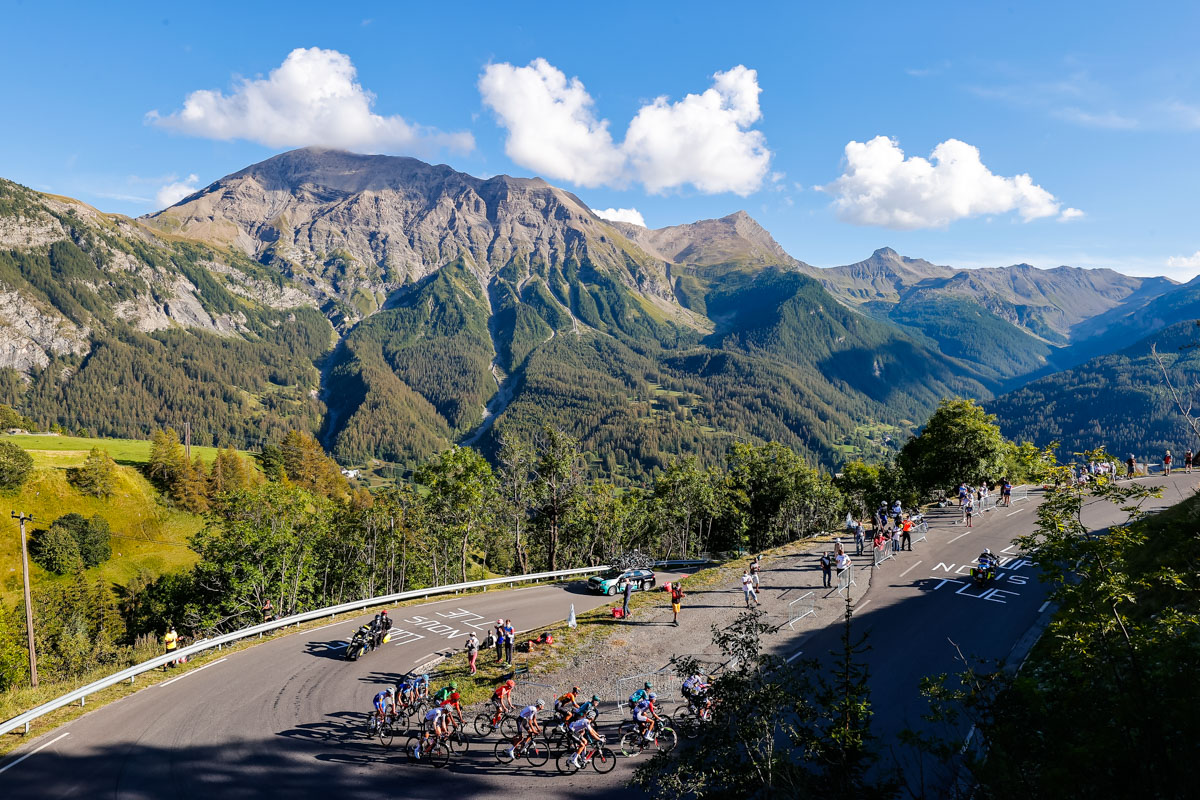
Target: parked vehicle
x=614 y=580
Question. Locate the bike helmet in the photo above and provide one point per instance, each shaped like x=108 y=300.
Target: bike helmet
x=425 y=678
x=575 y=690
x=455 y=697
x=653 y=697
x=647 y=685
x=392 y=691
x=539 y=702
x=987 y=551
x=510 y=683
x=453 y=685
x=595 y=698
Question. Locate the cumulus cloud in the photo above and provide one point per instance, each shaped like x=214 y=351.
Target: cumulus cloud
x=704 y=140
x=881 y=187
x=312 y=98
x=631 y=215
x=1185 y=262
x=175 y=191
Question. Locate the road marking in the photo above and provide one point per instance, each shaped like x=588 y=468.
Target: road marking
x=1043 y=608
x=426 y=657
x=910 y=569
x=956 y=538
x=323 y=627
x=864 y=605
x=193 y=672
x=338 y=646
x=10 y=765
x=794 y=656
x=1018 y=511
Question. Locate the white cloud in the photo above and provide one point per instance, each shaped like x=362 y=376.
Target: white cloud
x=551 y=126
x=172 y=193
x=881 y=187
x=1092 y=119
x=631 y=215
x=1185 y=262
x=1069 y=214
x=312 y=98
x=703 y=140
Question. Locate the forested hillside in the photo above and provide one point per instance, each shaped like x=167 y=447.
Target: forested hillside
x=1119 y=401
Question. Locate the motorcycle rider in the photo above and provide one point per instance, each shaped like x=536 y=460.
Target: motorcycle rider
x=987 y=561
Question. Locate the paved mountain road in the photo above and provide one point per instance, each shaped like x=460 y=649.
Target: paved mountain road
x=271 y=721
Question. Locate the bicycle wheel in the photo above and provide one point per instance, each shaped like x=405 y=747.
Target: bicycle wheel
x=459 y=742
x=508 y=726
x=603 y=760
x=438 y=755
x=410 y=746
x=631 y=744
x=483 y=725
x=687 y=725
x=563 y=763
x=501 y=751
x=537 y=752
x=385 y=734
x=666 y=739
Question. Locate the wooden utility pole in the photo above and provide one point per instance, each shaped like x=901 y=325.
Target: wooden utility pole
x=187 y=440
x=28 y=603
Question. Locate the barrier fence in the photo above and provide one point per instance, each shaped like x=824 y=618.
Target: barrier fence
x=81 y=694
x=883 y=553
x=846 y=579
x=801 y=607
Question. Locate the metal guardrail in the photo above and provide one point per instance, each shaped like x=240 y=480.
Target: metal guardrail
x=80 y=695
x=801 y=607
x=882 y=554
x=920 y=531
x=846 y=579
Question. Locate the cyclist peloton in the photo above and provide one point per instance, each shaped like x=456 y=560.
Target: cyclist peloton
x=695 y=690
x=527 y=726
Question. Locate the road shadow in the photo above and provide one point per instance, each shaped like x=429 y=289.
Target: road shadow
x=334 y=649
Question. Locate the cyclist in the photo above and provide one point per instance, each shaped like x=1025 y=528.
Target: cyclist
x=640 y=694
x=442 y=694
x=566 y=705
x=645 y=715
x=420 y=687
x=527 y=726
x=580 y=730
x=435 y=724
x=451 y=706
x=695 y=690
x=588 y=708
x=502 y=697
x=385 y=703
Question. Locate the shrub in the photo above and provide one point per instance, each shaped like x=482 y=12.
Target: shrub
x=15 y=466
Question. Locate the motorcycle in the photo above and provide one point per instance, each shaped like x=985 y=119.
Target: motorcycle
x=360 y=644
x=981 y=575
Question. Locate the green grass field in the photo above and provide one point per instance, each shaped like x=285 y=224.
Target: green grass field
x=147 y=536
x=69 y=451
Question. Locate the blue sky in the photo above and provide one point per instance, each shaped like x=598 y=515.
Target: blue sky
x=1098 y=104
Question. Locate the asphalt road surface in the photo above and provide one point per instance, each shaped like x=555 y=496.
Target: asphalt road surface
x=276 y=720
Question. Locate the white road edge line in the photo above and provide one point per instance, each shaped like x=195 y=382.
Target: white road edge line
x=12 y=764
x=1044 y=605
x=1018 y=511
x=323 y=627
x=794 y=656
x=193 y=672
x=864 y=605
x=956 y=538
x=910 y=569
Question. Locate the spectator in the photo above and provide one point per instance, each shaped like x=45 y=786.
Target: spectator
x=1130 y=465
x=748 y=588
x=755 y=567
x=860 y=537
x=1187 y=462
x=1167 y=463
x=268 y=611
x=676 y=599
x=962 y=494
x=906 y=534
x=826 y=570
x=499 y=640
x=628 y=592
x=472 y=651
x=509 y=633
x=1006 y=493
x=968 y=513
x=170 y=642
x=843 y=564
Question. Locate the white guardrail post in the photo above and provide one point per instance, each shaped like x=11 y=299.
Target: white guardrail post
x=801 y=607
x=217 y=642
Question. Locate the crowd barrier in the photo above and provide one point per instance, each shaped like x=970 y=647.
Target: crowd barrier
x=846 y=579
x=801 y=607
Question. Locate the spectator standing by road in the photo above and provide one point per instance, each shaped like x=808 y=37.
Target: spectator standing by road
x=676 y=599
x=755 y=567
x=170 y=642
x=860 y=537
x=628 y=592
x=1167 y=463
x=843 y=564
x=472 y=650
x=826 y=570
x=509 y=633
x=968 y=513
x=748 y=588
x=906 y=534
x=1130 y=465
x=1187 y=462
x=499 y=640
x=1006 y=493
x=268 y=611
x=962 y=494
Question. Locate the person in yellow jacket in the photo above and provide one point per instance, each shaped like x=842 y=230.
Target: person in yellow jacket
x=171 y=640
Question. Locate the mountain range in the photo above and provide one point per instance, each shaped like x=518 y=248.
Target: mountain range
x=396 y=307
